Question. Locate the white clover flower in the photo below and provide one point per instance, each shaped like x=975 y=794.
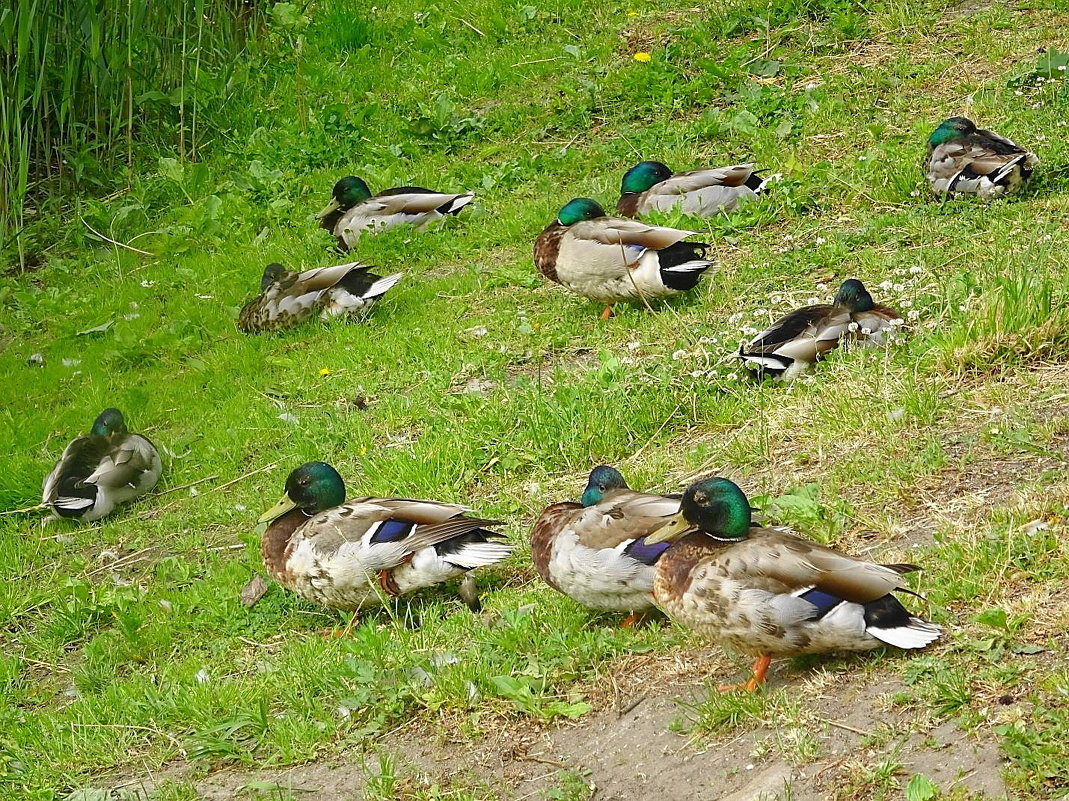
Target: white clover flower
x=886 y=285
x=820 y=240
x=916 y=268
x=679 y=354
x=813 y=300
x=760 y=312
x=146 y=283
x=864 y=330
x=166 y=605
x=914 y=314
x=202 y=676
x=905 y=303
x=898 y=287
x=852 y=328
x=914 y=193
x=633 y=346
x=776 y=299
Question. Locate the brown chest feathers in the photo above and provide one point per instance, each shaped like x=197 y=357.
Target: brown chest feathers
x=274 y=546
x=674 y=569
x=546 y=248
x=546 y=528
x=627 y=205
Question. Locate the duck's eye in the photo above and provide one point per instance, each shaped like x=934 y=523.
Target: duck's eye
x=701 y=498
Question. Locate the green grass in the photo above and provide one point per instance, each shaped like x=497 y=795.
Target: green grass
x=960 y=432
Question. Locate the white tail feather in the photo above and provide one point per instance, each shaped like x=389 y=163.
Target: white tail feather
x=478 y=554
x=696 y=266
x=460 y=202
x=917 y=634
x=382 y=286
x=73 y=504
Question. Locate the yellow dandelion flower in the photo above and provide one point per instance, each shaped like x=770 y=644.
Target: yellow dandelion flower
x=325 y=371
x=632 y=13
x=643 y=57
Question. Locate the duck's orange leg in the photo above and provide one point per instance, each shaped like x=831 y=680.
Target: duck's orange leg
x=760 y=673
x=606 y=313
x=631 y=620
x=386 y=582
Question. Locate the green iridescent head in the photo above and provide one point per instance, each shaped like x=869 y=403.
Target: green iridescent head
x=714 y=506
x=109 y=421
x=603 y=478
x=272 y=272
x=643 y=176
x=349 y=191
x=950 y=129
x=312 y=487
x=580 y=208
x=315 y=486
x=852 y=295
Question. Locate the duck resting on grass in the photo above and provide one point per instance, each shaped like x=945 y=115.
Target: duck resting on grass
x=349 y=554
x=594 y=551
x=353 y=209
x=652 y=186
x=795 y=342
x=963 y=159
x=769 y=593
x=611 y=259
x=287 y=298
x=107 y=467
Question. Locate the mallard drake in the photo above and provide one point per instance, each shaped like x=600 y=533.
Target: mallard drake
x=353 y=209
x=964 y=159
x=610 y=259
x=793 y=343
x=107 y=467
x=769 y=593
x=652 y=186
x=347 y=554
x=594 y=551
x=287 y=298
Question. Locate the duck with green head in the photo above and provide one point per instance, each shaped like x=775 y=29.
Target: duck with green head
x=769 y=593
x=349 y=554
x=796 y=341
x=287 y=298
x=609 y=259
x=353 y=209
x=594 y=551
x=101 y=470
x=651 y=186
x=963 y=159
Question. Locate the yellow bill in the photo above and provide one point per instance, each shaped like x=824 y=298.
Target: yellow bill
x=675 y=528
x=334 y=205
x=277 y=510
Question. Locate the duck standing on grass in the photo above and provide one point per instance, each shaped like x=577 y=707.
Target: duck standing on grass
x=963 y=159
x=107 y=467
x=795 y=342
x=651 y=186
x=287 y=298
x=769 y=593
x=609 y=259
x=594 y=551
x=353 y=209
x=348 y=554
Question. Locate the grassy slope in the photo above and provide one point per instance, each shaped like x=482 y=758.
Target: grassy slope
x=535 y=107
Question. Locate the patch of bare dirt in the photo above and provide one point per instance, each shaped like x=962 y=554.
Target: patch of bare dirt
x=630 y=748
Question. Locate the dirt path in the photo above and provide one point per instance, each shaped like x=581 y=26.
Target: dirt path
x=833 y=743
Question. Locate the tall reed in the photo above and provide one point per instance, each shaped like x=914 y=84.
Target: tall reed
x=83 y=81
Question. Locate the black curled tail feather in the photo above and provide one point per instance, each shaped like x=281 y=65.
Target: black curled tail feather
x=682 y=264
x=358 y=281
x=755 y=183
